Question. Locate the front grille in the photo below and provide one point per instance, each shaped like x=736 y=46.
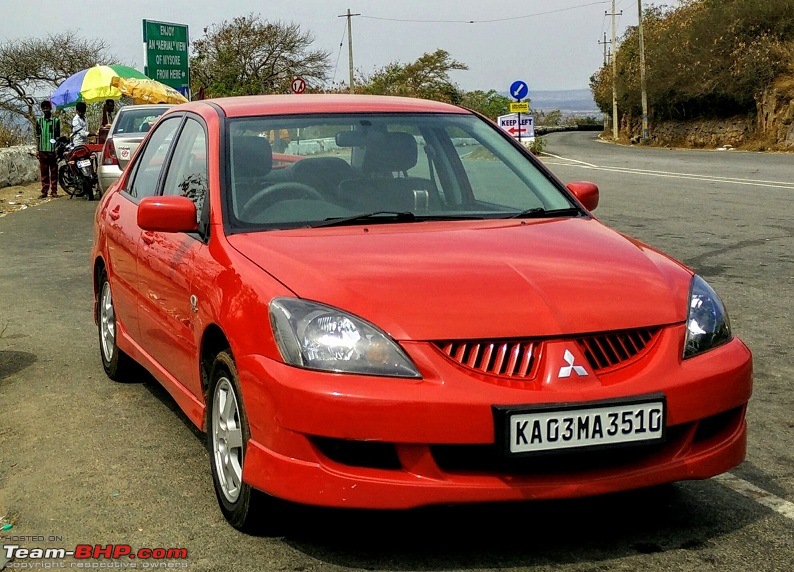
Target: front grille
x=506 y=359
x=518 y=359
x=608 y=350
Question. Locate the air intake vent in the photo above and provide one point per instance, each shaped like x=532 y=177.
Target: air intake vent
x=609 y=350
x=505 y=359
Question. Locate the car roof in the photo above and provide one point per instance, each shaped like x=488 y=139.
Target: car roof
x=243 y=106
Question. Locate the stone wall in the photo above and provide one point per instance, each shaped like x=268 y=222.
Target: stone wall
x=18 y=165
x=770 y=127
x=775 y=120
x=704 y=133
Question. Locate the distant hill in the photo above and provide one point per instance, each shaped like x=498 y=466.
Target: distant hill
x=569 y=102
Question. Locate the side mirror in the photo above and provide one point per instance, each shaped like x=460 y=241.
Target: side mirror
x=586 y=192
x=167 y=214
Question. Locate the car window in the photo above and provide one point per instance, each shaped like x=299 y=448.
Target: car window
x=187 y=171
x=150 y=163
x=288 y=172
x=492 y=180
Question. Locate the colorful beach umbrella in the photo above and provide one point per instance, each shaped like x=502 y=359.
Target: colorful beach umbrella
x=91 y=85
x=147 y=90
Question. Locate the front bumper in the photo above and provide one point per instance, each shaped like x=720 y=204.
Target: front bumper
x=367 y=442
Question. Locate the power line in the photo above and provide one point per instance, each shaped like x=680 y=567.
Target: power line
x=341 y=42
x=488 y=21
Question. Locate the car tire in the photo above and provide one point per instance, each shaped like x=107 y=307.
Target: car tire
x=116 y=363
x=227 y=441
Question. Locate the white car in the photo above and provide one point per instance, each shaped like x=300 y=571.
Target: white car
x=128 y=129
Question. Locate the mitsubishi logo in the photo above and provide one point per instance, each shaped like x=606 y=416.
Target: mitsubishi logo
x=565 y=371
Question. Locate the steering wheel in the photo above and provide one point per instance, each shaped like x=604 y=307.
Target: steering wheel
x=280 y=192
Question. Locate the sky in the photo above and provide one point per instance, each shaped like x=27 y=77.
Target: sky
x=549 y=44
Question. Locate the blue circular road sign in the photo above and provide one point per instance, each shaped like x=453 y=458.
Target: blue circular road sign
x=519 y=90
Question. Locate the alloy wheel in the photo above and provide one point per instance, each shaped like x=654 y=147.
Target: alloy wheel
x=227 y=439
x=107 y=322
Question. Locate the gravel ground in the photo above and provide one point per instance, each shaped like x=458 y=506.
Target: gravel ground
x=20 y=197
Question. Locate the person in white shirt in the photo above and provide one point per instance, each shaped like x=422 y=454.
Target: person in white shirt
x=80 y=133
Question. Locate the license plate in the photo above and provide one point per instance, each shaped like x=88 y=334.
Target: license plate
x=83 y=162
x=124 y=153
x=581 y=426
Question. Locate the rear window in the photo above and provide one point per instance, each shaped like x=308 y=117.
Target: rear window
x=137 y=120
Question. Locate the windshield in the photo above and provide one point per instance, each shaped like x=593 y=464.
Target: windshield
x=306 y=171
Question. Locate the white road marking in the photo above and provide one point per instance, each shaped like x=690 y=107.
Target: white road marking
x=759 y=495
x=667 y=174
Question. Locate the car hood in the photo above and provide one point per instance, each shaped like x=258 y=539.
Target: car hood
x=481 y=279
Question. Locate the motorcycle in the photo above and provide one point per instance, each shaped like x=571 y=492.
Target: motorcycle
x=77 y=173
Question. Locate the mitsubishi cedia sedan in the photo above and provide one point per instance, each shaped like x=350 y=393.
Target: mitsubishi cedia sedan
x=403 y=307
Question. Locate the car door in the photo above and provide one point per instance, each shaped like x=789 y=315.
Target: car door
x=166 y=263
x=123 y=233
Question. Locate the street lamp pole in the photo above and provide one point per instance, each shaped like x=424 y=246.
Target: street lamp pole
x=614 y=74
x=642 y=76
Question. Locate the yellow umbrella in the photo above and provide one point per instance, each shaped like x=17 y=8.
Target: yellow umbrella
x=147 y=91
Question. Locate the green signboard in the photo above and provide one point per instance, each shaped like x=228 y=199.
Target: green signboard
x=166 y=53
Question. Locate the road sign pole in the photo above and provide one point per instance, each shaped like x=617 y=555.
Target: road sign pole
x=519 y=127
x=519 y=90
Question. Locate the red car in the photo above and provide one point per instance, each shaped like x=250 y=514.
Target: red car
x=383 y=302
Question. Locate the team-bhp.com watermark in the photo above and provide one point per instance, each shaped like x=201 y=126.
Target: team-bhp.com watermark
x=94 y=556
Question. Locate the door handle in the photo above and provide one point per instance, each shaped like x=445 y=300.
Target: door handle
x=147 y=237
x=115 y=214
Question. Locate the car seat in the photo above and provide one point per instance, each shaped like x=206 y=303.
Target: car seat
x=252 y=161
x=322 y=173
x=384 y=183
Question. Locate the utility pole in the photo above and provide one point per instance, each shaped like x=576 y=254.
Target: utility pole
x=614 y=73
x=642 y=76
x=604 y=43
x=350 y=45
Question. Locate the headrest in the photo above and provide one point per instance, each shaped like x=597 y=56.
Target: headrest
x=389 y=151
x=252 y=156
x=321 y=171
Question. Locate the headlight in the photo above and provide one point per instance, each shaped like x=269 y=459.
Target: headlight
x=315 y=336
x=707 y=324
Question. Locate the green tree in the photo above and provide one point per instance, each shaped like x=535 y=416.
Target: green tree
x=703 y=58
x=426 y=78
x=248 y=56
x=490 y=103
x=32 y=68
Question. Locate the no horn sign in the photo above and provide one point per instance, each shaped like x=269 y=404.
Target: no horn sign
x=525 y=127
x=298 y=85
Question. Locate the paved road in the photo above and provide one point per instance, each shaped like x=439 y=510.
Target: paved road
x=95 y=462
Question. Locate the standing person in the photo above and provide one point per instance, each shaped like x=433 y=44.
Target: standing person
x=80 y=133
x=108 y=112
x=48 y=128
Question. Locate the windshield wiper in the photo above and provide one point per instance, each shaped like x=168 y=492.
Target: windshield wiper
x=540 y=212
x=377 y=216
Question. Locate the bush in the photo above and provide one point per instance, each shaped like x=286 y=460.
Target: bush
x=537 y=146
x=12 y=134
